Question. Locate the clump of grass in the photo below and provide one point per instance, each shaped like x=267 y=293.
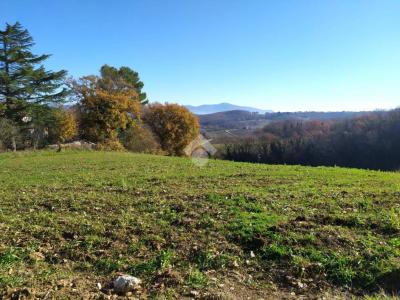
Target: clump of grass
x=249 y=228
x=276 y=251
x=160 y=262
x=391 y=221
x=208 y=260
x=108 y=265
x=395 y=244
x=10 y=257
x=10 y=281
x=248 y=222
x=196 y=279
x=381 y=296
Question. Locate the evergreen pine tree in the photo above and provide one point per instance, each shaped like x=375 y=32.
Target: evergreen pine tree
x=23 y=79
x=122 y=79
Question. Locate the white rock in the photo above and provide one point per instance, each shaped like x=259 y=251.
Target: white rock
x=126 y=283
x=194 y=293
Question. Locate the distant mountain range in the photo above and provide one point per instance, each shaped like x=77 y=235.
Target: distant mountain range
x=221 y=107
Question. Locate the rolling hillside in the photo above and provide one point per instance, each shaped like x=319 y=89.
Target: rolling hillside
x=241 y=119
x=71 y=222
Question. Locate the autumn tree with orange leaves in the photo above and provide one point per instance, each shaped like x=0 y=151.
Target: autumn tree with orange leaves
x=65 y=126
x=174 y=125
x=103 y=114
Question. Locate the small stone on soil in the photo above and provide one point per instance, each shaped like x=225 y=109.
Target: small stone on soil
x=126 y=283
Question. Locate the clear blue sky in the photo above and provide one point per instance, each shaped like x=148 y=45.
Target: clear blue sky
x=283 y=55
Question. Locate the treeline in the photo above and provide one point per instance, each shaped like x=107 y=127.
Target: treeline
x=109 y=110
x=239 y=119
x=371 y=141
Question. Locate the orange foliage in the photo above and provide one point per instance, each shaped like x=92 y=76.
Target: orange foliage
x=175 y=126
x=104 y=113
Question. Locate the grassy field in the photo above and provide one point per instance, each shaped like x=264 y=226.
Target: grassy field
x=71 y=222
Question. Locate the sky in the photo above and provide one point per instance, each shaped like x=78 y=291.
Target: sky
x=284 y=55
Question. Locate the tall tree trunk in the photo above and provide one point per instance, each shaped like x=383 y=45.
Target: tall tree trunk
x=14 y=144
x=35 y=138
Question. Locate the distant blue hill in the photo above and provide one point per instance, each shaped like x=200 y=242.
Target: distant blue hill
x=221 y=107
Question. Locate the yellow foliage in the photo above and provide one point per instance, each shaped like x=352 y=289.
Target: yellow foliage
x=103 y=113
x=110 y=145
x=66 y=127
x=175 y=126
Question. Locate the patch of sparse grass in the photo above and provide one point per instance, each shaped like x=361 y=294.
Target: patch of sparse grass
x=209 y=260
x=247 y=222
x=10 y=281
x=158 y=263
x=391 y=221
x=381 y=296
x=196 y=279
x=108 y=265
x=276 y=251
x=249 y=228
x=10 y=257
